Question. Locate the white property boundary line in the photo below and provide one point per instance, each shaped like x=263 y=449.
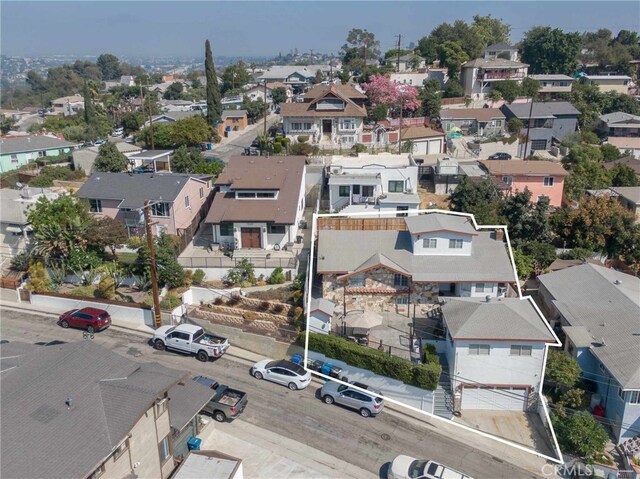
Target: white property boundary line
x=379 y=214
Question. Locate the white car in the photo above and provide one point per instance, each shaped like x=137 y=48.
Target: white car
x=282 y=372
x=405 y=467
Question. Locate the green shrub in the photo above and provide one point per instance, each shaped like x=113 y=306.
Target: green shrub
x=579 y=434
x=277 y=148
x=359 y=148
x=430 y=354
x=20 y=262
x=89 y=291
x=277 y=277
x=303 y=138
x=136 y=242
x=303 y=149
x=284 y=140
x=170 y=301
x=39 y=281
x=106 y=287
x=198 y=276
x=424 y=376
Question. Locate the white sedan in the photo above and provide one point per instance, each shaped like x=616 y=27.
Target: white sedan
x=282 y=372
x=405 y=467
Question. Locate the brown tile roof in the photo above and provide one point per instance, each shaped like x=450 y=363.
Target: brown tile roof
x=344 y=90
x=282 y=173
x=417 y=132
x=307 y=109
x=629 y=161
x=523 y=168
x=479 y=114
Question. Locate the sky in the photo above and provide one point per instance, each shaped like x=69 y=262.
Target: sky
x=265 y=28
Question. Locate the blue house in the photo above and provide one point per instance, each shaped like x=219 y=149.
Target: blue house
x=598 y=309
x=21 y=150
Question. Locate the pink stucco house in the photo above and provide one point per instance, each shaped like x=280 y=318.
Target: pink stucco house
x=178 y=202
x=542 y=178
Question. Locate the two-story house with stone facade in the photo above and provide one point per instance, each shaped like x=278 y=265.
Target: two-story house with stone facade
x=406 y=264
x=331 y=115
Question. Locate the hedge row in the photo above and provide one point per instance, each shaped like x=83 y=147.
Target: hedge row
x=424 y=376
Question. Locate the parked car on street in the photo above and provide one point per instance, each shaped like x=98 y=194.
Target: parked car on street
x=366 y=404
x=117 y=132
x=406 y=467
x=89 y=319
x=226 y=403
x=500 y=156
x=282 y=372
x=189 y=338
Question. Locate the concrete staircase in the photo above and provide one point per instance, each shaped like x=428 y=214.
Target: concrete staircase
x=442 y=398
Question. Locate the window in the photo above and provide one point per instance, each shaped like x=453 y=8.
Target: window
x=95 y=206
x=483 y=288
x=429 y=243
x=400 y=280
x=479 y=349
x=621 y=393
x=42 y=154
x=517 y=350
x=120 y=450
x=201 y=192
x=455 y=244
x=343 y=192
x=396 y=186
x=187 y=202
x=356 y=280
x=564 y=83
x=301 y=126
x=348 y=124
x=267 y=194
x=634 y=397
x=367 y=190
x=97 y=473
x=539 y=144
x=276 y=229
x=402 y=300
x=548 y=181
x=160 y=209
x=508 y=180
x=226 y=229
x=163 y=448
x=14 y=158
x=356 y=189
x=241 y=194
x=498 y=122
x=402 y=208
x=161 y=407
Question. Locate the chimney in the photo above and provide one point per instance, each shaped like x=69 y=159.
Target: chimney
x=500 y=234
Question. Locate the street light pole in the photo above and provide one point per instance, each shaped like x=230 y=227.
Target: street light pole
x=152 y=254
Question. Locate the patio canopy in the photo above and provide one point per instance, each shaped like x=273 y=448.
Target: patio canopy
x=363 y=319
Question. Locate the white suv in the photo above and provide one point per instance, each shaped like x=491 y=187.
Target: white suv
x=282 y=372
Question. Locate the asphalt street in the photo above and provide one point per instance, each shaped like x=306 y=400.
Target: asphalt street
x=299 y=415
x=235 y=146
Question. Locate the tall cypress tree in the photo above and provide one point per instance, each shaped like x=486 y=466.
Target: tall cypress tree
x=214 y=101
x=88 y=104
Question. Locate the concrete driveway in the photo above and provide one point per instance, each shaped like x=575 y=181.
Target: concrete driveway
x=520 y=427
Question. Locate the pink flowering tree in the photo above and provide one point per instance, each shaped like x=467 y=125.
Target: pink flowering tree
x=382 y=91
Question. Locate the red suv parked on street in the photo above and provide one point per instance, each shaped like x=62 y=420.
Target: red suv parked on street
x=91 y=319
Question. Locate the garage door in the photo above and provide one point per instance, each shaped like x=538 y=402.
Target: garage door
x=435 y=146
x=501 y=399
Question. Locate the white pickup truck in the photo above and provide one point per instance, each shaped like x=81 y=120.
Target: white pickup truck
x=191 y=339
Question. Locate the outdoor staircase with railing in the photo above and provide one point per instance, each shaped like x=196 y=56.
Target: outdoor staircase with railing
x=442 y=398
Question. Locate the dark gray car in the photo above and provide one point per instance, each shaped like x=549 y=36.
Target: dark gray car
x=363 y=402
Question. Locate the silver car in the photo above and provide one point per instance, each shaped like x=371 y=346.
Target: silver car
x=282 y=372
x=366 y=404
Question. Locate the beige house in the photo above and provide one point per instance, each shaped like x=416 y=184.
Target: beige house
x=553 y=83
x=93 y=414
x=617 y=83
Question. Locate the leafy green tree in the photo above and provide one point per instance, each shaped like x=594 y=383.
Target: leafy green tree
x=169 y=271
x=548 y=50
x=107 y=232
x=256 y=109
x=109 y=66
x=562 y=370
x=344 y=76
x=277 y=277
x=430 y=97
x=379 y=113
x=110 y=159
x=609 y=153
x=190 y=131
x=587 y=175
x=623 y=175
x=361 y=45
x=279 y=95
x=482 y=199
x=580 y=153
x=452 y=56
x=162 y=136
x=453 y=89
x=318 y=78
x=214 y=100
x=131 y=122
x=524 y=264
x=185 y=160
x=542 y=253
x=7 y=123
x=174 y=92
x=508 y=88
x=527 y=221
x=209 y=168
x=234 y=76
x=88 y=104
x=529 y=87
x=515 y=125
x=579 y=434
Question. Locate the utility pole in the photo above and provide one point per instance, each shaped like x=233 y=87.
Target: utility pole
x=398 y=60
x=264 y=126
x=143 y=112
x=526 y=143
x=152 y=255
x=400 y=128
x=331 y=67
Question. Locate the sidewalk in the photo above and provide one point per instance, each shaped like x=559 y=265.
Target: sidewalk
x=256 y=127
x=272 y=455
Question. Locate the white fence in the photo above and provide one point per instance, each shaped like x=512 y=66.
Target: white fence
x=197 y=295
x=134 y=315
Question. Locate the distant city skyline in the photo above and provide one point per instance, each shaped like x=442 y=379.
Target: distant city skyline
x=266 y=28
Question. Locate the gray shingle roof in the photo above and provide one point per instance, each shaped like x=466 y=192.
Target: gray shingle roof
x=440 y=222
x=587 y=295
x=42 y=437
x=187 y=399
x=32 y=143
x=324 y=305
x=505 y=318
x=547 y=109
x=132 y=190
x=619 y=117
x=342 y=251
x=551 y=77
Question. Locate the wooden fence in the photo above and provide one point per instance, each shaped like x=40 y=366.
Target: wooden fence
x=186 y=234
x=362 y=224
x=453 y=101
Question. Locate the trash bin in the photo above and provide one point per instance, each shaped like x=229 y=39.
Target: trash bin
x=297 y=358
x=194 y=443
x=299 y=239
x=228 y=128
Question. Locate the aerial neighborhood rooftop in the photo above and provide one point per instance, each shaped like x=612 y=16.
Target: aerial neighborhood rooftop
x=422 y=248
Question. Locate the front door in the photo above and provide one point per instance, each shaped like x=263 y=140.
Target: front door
x=326 y=129
x=251 y=238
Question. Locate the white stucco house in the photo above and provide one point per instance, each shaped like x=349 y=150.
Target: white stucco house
x=259 y=203
x=495 y=350
x=369 y=182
